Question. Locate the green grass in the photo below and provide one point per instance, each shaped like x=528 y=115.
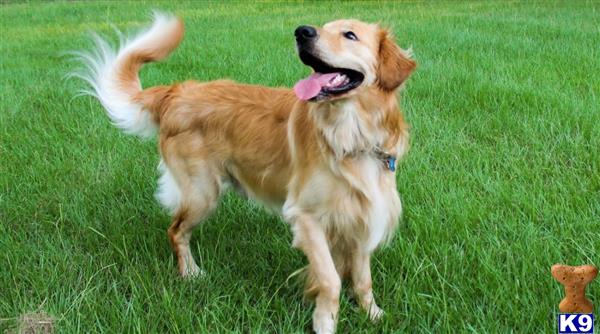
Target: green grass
x=502 y=180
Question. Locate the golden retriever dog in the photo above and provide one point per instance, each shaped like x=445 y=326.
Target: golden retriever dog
x=322 y=154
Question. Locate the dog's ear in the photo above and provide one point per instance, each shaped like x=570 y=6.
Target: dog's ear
x=394 y=64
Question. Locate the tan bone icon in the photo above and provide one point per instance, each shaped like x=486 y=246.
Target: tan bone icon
x=575 y=280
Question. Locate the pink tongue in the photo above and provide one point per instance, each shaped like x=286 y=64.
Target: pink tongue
x=310 y=87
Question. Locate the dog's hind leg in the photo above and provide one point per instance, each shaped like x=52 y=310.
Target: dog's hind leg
x=194 y=188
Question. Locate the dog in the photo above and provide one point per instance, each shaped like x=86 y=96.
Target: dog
x=322 y=154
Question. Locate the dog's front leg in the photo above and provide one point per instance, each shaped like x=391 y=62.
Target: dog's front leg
x=363 y=285
x=310 y=237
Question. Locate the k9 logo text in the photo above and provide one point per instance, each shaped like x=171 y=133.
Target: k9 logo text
x=575 y=323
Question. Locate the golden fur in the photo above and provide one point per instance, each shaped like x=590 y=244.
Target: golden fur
x=311 y=161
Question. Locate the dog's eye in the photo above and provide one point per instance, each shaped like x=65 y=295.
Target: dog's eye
x=350 y=35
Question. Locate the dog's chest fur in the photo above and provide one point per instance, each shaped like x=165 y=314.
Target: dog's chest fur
x=360 y=200
x=351 y=191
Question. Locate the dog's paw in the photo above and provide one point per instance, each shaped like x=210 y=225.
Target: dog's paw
x=323 y=324
x=375 y=313
x=192 y=271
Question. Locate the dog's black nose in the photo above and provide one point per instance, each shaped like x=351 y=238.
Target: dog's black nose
x=305 y=33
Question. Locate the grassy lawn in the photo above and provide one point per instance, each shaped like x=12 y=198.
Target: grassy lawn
x=502 y=180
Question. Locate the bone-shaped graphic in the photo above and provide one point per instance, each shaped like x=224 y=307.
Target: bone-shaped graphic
x=575 y=280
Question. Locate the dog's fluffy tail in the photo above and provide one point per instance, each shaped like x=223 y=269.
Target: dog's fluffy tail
x=112 y=75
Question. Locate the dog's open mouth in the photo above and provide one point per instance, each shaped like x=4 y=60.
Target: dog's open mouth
x=326 y=81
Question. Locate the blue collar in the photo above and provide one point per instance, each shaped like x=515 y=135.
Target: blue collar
x=388 y=159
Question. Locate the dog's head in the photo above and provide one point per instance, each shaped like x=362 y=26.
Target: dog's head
x=348 y=55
